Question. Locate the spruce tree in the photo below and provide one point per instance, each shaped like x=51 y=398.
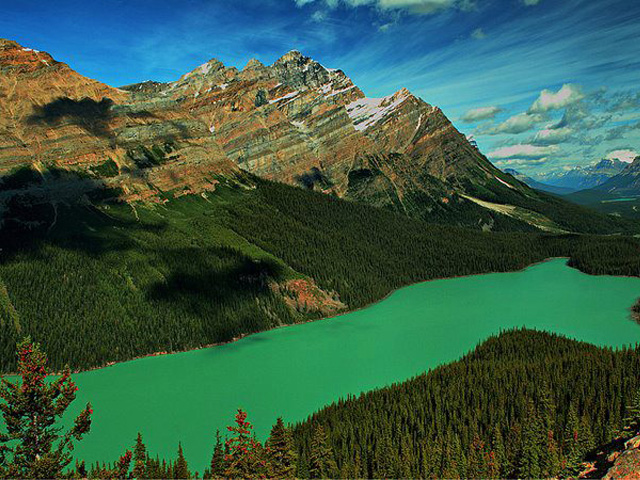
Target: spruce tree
x=532 y=441
x=244 y=457
x=280 y=451
x=217 y=466
x=139 y=459
x=180 y=468
x=321 y=462
x=31 y=410
x=571 y=442
x=631 y=422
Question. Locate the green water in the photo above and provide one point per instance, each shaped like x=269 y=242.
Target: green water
x=615 y=200
x=296 y=370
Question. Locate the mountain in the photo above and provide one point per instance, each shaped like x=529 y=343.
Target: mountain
x=537 y=185
x=294 y=121
x=582 y=178
x=624 y=184
x=619 y=195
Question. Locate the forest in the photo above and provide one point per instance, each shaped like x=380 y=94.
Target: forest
x=523 y=404
x=99 y=281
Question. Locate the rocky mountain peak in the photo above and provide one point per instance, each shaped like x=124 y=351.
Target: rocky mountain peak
x=15 y=56
x=253 y=64
x=293 y=56
x=211 y=67
x=294 y=121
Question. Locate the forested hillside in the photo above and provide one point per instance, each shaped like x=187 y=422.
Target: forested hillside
x=524 y=404
x=98 y=281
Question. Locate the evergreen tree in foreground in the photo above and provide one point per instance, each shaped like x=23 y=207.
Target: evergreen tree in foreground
x=280 y=451
x=321 y=462
x=139 y=459
x=181 y=468
x=31 y=408
x=217 y=466
x=245 y=455
x=632 y=419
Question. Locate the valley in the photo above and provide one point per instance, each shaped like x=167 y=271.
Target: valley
x=275 y=268
x=296 y=370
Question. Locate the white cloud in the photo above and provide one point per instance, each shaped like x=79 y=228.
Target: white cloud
x=552 y=136
x=319 y=16
x=519 y=162
x=481 y=113
x=517 y=124
x=420 y=7
x=478 y=34
x=548 y=100
x=523 y=151
x=623 y=155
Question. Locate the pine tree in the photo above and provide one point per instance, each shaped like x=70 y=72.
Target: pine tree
x=529 y=462
x=549 y=458
x=280 y=451
x=477 y=459
x=31 y=409
x=631 y=422
x=571 y=444
x=321 y=462
x=122 y=466
x=180 y=468
x=244 y=457
x=498 y=457
x=217 y=466
x=139 y=459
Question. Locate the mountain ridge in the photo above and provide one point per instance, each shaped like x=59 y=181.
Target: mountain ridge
x=294 y=121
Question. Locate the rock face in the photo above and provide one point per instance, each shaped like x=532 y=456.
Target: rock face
x=295 y=121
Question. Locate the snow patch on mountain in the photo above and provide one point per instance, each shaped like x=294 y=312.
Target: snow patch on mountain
x=284 y=97
x=366 y=112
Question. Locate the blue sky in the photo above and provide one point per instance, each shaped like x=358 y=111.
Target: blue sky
x=542 y=84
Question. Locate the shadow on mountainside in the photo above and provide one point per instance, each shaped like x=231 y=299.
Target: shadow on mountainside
x=91 y=115
x=206 y=278
x=59 y=207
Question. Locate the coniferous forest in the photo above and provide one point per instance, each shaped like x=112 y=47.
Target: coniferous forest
x=523 y=404
x=101 y=281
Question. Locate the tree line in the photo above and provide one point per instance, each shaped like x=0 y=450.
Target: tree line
x=110 y=282
x=523 y=404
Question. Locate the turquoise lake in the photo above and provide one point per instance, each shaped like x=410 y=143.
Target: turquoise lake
x=293 y=371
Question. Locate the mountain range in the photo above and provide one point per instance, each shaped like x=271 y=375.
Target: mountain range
x=294 y=121
x=583 y=178
x=545 y=187
x=625 y=183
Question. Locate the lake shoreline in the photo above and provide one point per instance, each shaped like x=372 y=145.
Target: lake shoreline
x=345 y=312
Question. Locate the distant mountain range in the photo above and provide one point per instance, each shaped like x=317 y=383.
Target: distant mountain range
x=538 y=185
x=619 y=195
x=582 y=178
x=624 y=184
x=294 y=121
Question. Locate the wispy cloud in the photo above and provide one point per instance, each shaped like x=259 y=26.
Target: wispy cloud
x=523 y=151
x=481 y=113
x=478 y=34
x=623 y=155
x=549 y=100
x=552 y=136
x=519 y=123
